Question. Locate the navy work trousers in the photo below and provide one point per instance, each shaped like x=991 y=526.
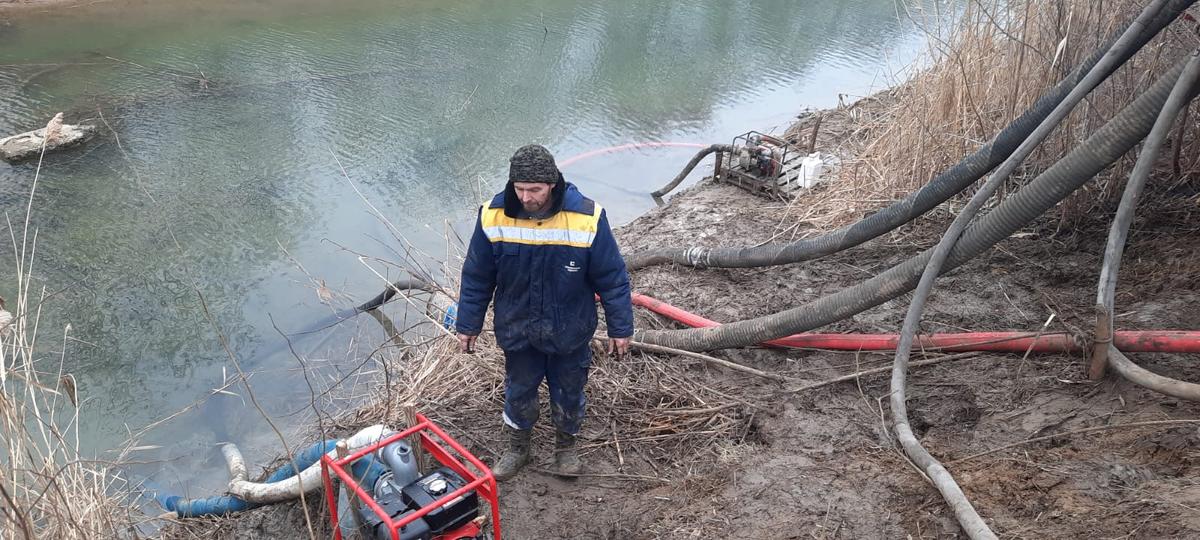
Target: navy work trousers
x=565 y=374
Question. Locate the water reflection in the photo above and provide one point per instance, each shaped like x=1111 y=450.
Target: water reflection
x=220 y=198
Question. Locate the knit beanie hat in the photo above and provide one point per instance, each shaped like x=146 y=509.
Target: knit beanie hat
x=533 y=163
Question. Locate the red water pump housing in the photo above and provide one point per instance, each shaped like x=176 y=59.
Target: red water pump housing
x=477 y=479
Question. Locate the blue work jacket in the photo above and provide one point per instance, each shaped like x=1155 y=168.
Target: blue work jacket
x=545 y=274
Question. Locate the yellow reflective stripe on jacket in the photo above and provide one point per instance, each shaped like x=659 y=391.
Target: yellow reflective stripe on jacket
x=563 y=229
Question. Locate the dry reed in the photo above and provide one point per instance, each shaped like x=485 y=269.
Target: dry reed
x=655 y=407
x=48 y=487
x=983 y=71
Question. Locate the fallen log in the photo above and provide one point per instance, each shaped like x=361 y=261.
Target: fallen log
x=28 y=145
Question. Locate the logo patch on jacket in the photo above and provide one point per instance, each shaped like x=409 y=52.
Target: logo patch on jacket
x=572 y=267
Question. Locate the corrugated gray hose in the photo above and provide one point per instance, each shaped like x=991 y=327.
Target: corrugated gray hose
x=1100 y=150
x=1118 y=233
x=972 y=523
x=942 y=187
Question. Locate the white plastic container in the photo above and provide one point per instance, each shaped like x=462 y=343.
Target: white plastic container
x=811 y=169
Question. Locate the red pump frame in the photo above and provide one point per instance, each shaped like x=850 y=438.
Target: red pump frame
x=484 y=484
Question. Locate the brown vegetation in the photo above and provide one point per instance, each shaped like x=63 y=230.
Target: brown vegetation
x=987 y=69
x=676 y=449
x=48 y=488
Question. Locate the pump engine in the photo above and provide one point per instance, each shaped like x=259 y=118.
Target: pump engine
x=384 y=495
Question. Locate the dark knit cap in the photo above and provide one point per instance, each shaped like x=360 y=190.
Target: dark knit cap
x=533 y=163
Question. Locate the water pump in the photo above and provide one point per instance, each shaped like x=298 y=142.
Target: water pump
x=763 y=164
x=385 y=495
x=757 y=158
x=402 y=491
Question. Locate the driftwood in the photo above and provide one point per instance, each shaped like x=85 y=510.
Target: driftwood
x=28 y=145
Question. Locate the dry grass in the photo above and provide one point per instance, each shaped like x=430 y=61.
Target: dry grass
x=644 y=404
x=652 y=406
x=983 y=72
x=48 y=488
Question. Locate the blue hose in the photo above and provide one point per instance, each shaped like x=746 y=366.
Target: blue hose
x=366 y=468
x=367 y=471
x=305 y=459
x=211 y=506
x=451 y=316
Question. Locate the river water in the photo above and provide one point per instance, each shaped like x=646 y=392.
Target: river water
x=237 y=137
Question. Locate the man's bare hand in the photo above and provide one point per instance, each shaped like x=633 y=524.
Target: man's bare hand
x=618 y=345
x=467 y=343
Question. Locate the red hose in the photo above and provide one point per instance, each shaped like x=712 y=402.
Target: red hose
x=1167 y=341
x=631 y=146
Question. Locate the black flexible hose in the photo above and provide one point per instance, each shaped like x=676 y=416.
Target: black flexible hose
x=334 y=319
x=942 y=187
x=687 y=169
x=1102 y=148
x=382 y=298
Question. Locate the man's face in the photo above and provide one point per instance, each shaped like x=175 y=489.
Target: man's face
x=535 y=196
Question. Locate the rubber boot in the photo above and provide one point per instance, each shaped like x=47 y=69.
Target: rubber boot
x=566 y=457
x=516 y=456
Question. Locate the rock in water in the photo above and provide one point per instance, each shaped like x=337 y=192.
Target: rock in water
x=29 y=144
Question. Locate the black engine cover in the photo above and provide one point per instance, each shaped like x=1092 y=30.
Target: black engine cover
x=392 y=502
x=435 y=485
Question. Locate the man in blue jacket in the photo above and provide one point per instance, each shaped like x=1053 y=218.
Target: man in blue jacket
x=546 y=251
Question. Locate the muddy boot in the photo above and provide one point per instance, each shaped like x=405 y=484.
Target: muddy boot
x=516 y=456
x=566 y=457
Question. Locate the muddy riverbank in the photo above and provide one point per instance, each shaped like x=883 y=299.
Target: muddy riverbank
x=822 y=463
